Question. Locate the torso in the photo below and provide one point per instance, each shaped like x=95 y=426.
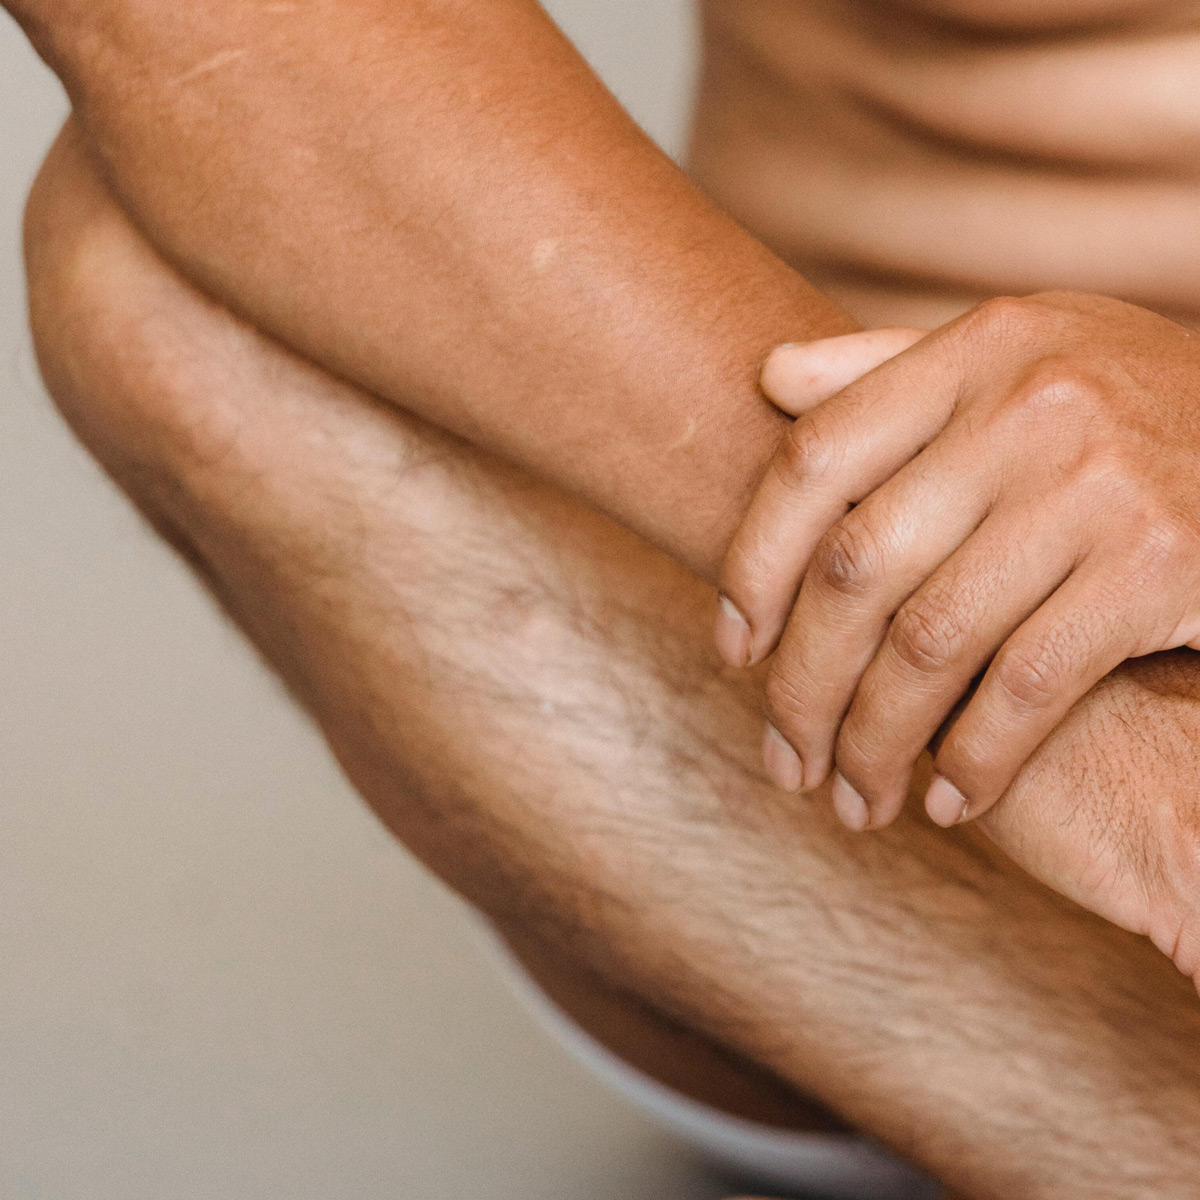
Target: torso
x=915 y=156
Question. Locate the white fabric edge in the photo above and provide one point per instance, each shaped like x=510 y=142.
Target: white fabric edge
x=823 y=1166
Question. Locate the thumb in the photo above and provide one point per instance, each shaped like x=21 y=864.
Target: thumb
x=800 y=375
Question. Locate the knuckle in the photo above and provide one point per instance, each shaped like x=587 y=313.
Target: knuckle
x=1030 y=676
x=849 y=559
x=1164 y=538
x=1060 y=388
x=1002 y=318
x=858 y=756
x=1146 y=528
x=1153 y=549
x=807 y=453
x=861 y=751
x=787 y=698
x=1110 y=468
x=925 y=635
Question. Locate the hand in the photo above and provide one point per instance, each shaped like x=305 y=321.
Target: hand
x=1016 y=494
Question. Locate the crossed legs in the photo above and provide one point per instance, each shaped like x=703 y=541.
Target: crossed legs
x=522 y=691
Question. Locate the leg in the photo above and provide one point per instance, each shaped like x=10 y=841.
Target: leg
x=516 y=685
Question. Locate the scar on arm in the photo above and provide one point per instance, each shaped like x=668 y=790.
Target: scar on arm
x=210 y=66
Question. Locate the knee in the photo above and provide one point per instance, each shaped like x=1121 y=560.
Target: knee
x=109 y=322
x=76 y=313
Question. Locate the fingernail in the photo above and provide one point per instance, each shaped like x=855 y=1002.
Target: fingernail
x=732 y=634
x=850 y=807
x=782 y=762
x=945 y=804
x=783 y=347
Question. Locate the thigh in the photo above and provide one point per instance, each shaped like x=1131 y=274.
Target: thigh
x=520 y=688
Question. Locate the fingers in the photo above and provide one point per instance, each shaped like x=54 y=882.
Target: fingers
x=1077 y=637
x=862 y=571
x=940 y=639
x=796 y=378
x=829 y=460
x=801 y=375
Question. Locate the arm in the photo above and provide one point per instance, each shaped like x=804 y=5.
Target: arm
x=1050 y=502
x=575 y=304
x=913 y=980
x=440 y=202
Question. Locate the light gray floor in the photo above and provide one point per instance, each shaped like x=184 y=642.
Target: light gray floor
x=219 y=978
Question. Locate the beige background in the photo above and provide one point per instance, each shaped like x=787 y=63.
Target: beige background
x=219 y=978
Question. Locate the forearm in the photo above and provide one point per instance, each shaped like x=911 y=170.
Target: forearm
x=548 y=738
x=439 y=201
x=576 y=304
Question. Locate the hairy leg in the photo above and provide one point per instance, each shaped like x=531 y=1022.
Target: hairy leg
x=521 y=691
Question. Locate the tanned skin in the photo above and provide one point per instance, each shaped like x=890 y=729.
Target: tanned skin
x=1011 y=501
x=453 y=170
x=520 y=688
x=643 y=343
x=515 y=262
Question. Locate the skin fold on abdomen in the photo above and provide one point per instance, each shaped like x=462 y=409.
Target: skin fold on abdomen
x=915 y=156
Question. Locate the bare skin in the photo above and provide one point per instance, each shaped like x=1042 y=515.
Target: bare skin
x=565 y=296
x=409 y=589
x=453 y=170
x=1135 y=733
x=914 y=157
x=1030 y=518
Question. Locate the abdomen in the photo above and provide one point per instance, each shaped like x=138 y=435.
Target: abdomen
x=907 y=161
